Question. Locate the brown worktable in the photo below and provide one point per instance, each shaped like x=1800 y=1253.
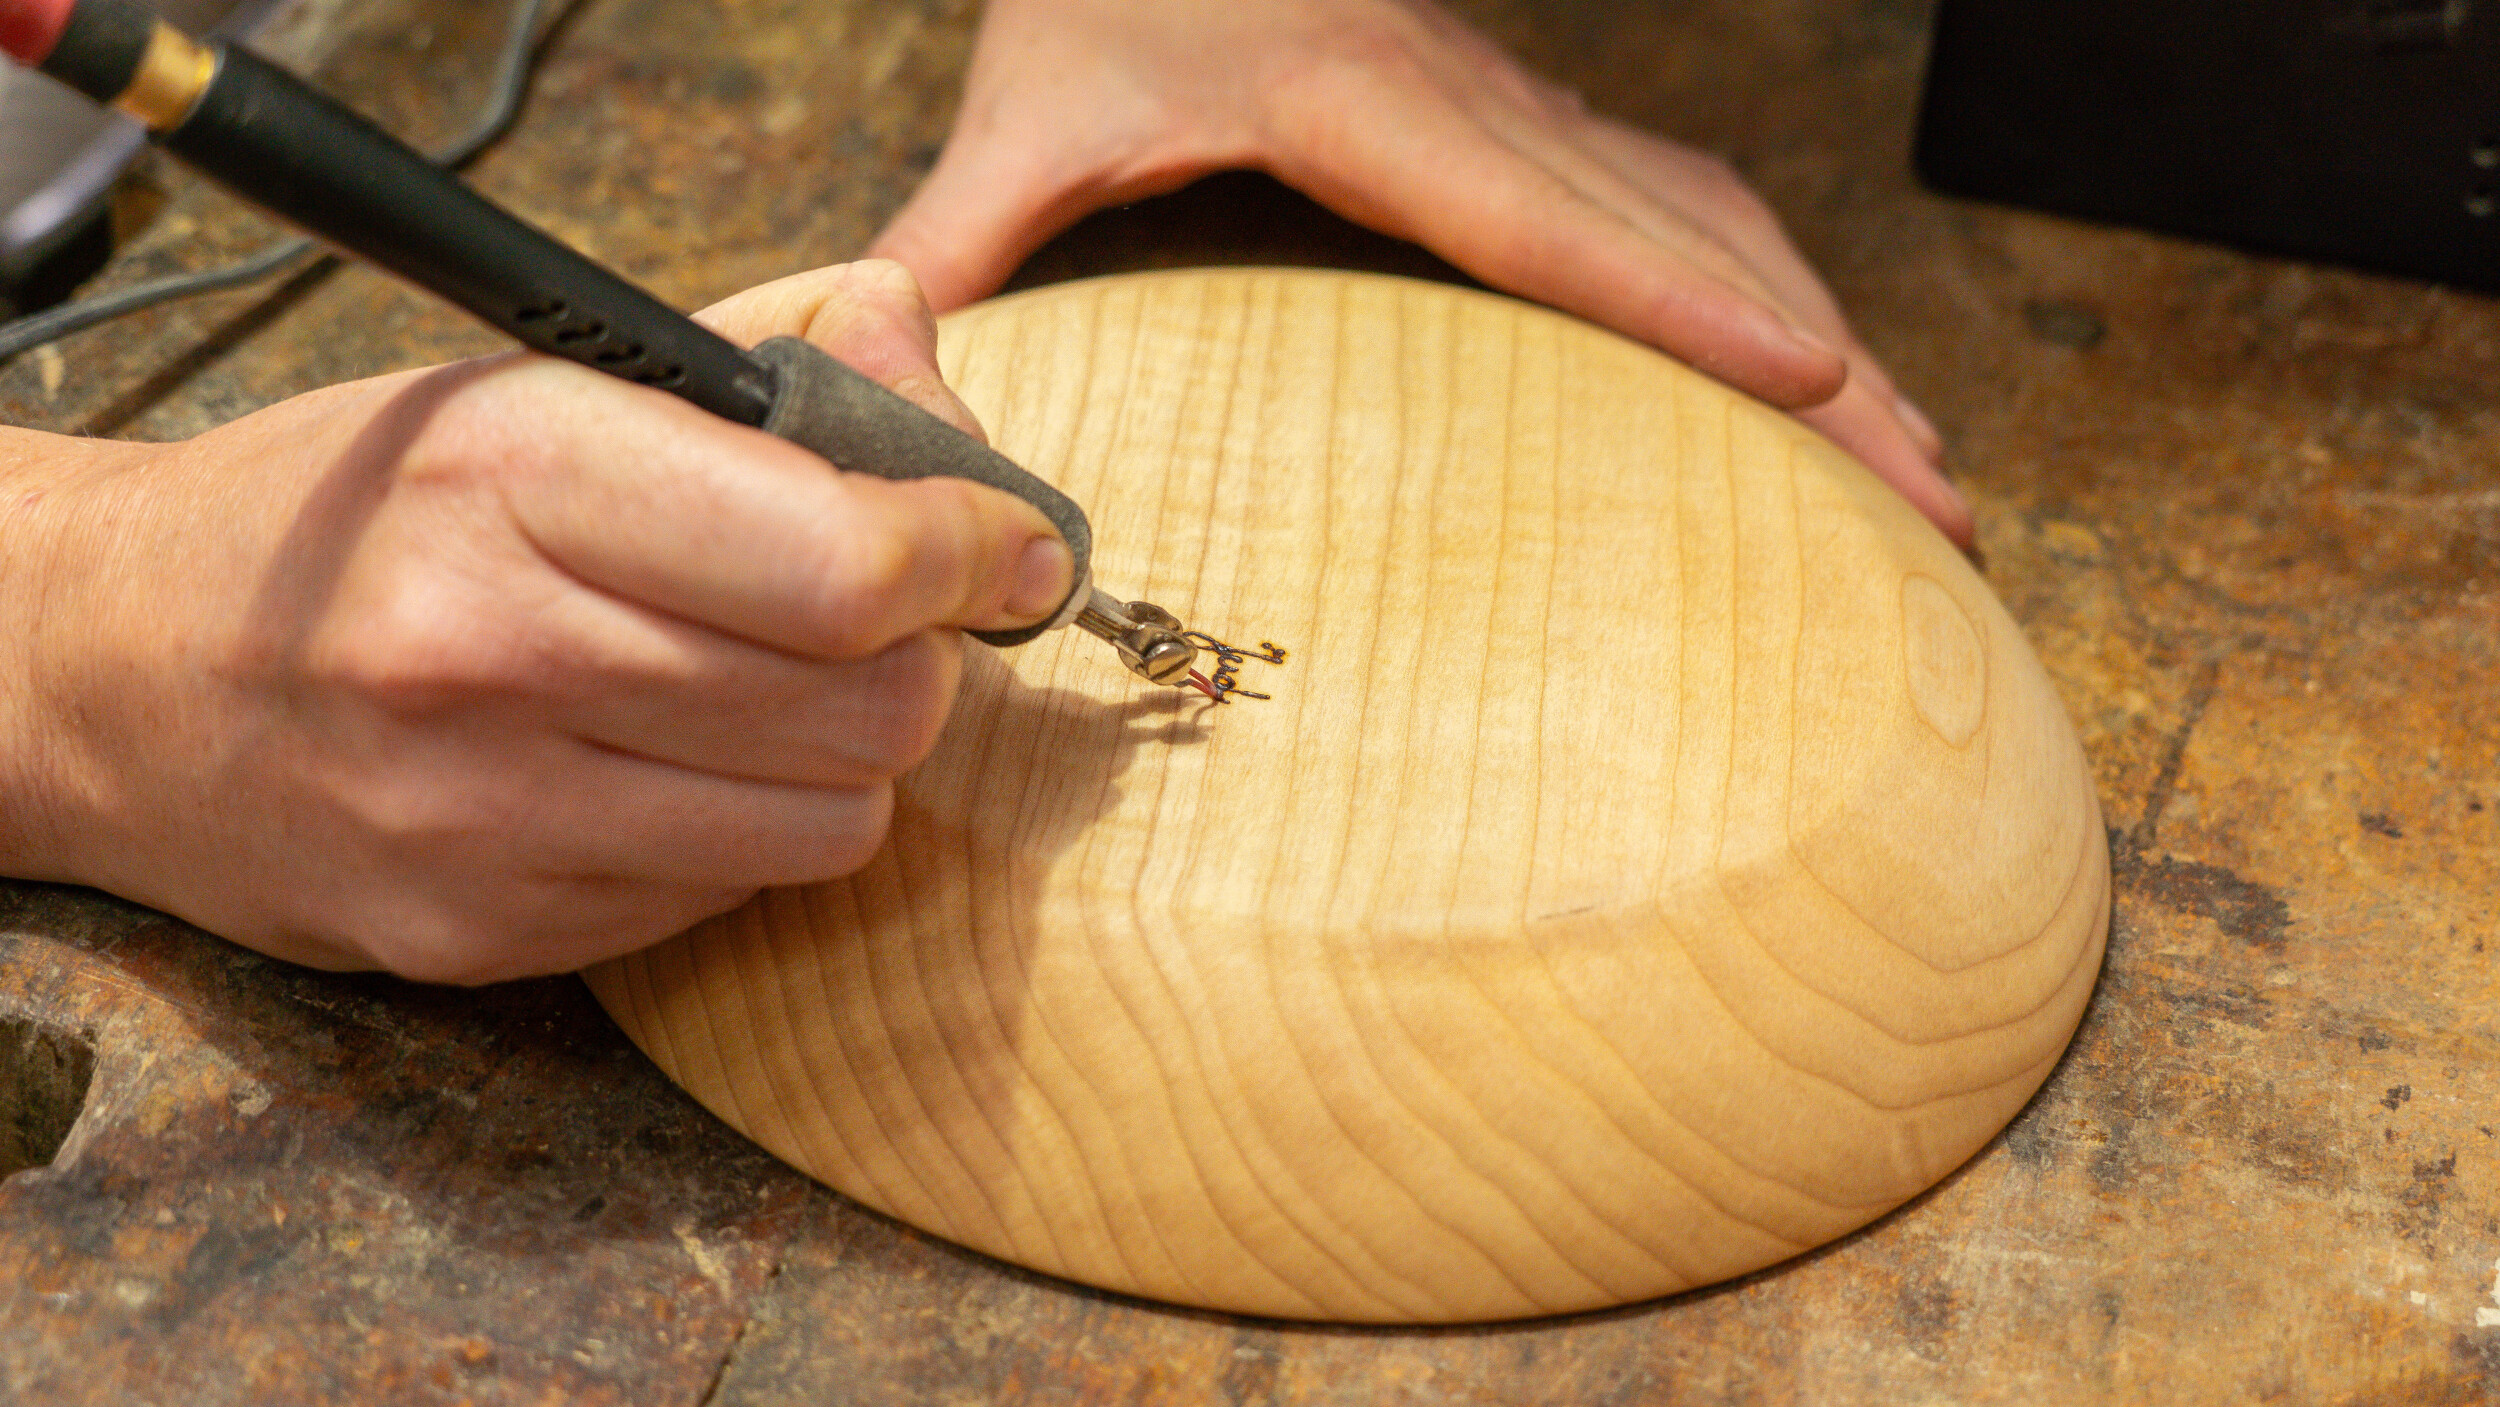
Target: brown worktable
x=2247 y=510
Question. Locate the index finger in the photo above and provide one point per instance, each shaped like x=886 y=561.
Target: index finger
x=869 y=314
x=645 y=497
x=1438 y=177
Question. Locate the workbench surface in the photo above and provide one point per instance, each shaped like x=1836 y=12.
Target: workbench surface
x=2246 y=509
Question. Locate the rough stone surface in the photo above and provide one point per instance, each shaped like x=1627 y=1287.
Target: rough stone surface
x=2247 y=509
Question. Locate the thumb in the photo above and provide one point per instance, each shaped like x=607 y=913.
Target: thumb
x=955 y=552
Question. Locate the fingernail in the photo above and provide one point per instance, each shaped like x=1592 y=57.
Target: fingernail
x=1776 y=328
x=1921 y=428
x=1956 y=520
x=1044 y=573
x=1799 y=334
x=1971 y=531
x=1961 y=502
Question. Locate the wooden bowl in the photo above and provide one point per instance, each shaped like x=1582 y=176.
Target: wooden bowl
x=1654 y=854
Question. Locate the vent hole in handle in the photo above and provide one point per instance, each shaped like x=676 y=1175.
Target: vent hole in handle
x=619 y=356
x=548 y=311
x=580 y=332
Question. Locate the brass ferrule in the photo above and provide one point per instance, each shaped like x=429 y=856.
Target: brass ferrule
x=172 y=74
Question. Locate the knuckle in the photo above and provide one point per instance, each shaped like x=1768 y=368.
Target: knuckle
x=901 y=704
x=1723 y=188
x=513 y=926
x=449 y=959
x=888 y=279
x=1560 y=100
x=642 y=913
x=1710 y=168
x=417 y=645
x=439 y=943
x=1349 y=70
x=873 y=311
x=1523 y=247
x=908 y=561
x=421 y=815
x=1381 y=50
x=853 y=836
x=862 y=578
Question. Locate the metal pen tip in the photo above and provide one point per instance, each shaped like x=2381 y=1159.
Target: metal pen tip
x=1150 y=640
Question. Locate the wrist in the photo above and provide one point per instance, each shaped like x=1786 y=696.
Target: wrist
x=44 y=625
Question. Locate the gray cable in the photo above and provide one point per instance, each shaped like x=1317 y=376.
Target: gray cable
x=503 y=105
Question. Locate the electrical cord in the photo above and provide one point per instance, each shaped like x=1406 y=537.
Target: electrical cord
x=502 y=106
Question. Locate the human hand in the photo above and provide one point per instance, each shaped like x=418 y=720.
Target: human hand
x=1395 y=114
x=492 y=669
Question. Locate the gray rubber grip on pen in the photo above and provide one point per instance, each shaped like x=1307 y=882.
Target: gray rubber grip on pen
x=856 y=424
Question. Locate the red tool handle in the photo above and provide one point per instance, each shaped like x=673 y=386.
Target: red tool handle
x=29 y=28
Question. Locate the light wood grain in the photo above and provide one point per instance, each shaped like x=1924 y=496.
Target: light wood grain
x=1660 y=854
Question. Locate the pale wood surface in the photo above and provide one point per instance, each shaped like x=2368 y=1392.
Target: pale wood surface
x=1660 y=853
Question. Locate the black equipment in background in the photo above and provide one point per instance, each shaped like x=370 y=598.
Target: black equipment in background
x=2363 y=132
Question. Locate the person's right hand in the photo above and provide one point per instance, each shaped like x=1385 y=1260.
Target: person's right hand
x=493 y=669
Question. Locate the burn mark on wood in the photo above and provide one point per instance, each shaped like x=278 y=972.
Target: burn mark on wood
x=1225 y=684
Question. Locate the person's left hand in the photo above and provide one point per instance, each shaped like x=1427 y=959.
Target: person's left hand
x=1395 y=114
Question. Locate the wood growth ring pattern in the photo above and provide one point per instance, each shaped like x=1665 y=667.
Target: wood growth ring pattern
x=1667 y=856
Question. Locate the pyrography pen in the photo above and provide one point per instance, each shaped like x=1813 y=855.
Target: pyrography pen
x=264 y=134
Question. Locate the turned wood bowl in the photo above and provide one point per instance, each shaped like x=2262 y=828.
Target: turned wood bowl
x=1634 y=847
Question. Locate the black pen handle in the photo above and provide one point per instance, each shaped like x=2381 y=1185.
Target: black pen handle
x=274 y=140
